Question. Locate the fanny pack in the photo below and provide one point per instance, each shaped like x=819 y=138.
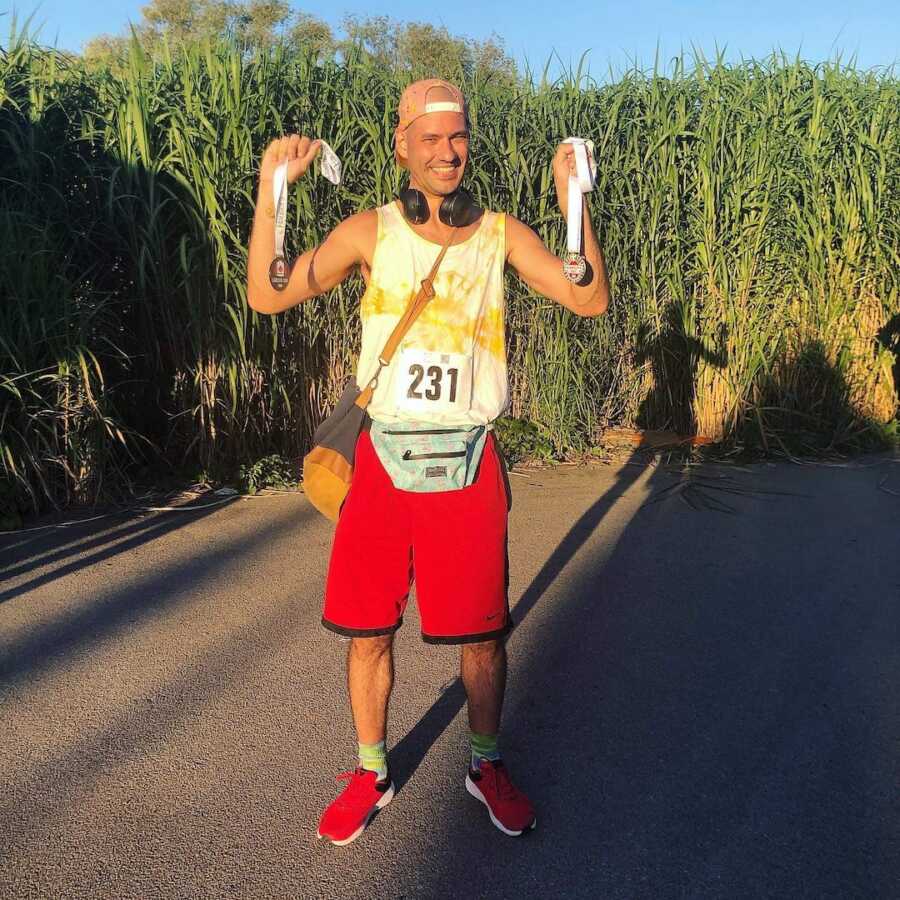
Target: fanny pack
x=427 y=458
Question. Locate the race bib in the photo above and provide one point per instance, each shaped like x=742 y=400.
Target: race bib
x=433 y=382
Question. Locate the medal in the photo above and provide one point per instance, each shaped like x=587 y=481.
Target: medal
x=279 y=270
x=279 y=273
x=575 y=265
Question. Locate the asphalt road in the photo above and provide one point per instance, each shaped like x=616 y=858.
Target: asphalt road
x=703 y=702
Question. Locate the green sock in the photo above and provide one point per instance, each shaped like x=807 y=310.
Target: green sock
x=484 y=746
x=374 y=758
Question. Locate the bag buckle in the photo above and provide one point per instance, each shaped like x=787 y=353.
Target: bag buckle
x=373 y=381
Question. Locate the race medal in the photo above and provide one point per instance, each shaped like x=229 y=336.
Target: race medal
x=279 y=270
x=430 y=382
x=279 y=273
x=574 y=267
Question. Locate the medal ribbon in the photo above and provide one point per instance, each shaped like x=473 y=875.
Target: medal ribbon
x=279 y=196
x=579 y=184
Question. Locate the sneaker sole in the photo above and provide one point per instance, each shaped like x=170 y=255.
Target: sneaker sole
x=472 y=788
x=386 y=798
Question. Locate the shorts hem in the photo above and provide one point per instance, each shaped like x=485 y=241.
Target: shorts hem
x=360 y=632
x=468 y=638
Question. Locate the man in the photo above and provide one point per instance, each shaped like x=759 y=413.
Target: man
x=452 y=541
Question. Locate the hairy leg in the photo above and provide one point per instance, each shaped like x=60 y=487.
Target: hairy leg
x=370 y=677
x=483 y=668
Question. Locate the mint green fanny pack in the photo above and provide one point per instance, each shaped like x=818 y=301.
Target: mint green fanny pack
x=428 y=458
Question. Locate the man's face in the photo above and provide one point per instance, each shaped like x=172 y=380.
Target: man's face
x=436 y=148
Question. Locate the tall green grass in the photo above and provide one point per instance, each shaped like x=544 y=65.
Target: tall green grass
x=749 y=214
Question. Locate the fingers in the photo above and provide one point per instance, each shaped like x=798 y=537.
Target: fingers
x=294 y=150
x=311 y=153
x=565 y=158
x=291 y=147
x=271 y=154
x=300 y=147
x=276 y=152
x=565 y=153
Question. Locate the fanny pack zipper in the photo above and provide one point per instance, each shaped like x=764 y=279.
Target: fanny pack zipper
x=431 y=431
x=408 y=454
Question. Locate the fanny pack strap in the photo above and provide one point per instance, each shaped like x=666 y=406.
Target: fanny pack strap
x=418 y=303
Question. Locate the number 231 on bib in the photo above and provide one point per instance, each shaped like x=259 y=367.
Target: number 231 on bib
x=434 y=382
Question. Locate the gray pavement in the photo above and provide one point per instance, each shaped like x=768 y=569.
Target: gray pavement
x=703 y=702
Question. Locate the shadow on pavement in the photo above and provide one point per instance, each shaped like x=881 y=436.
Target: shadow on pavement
x=199 y=683
x=706 y=713
x=409 y=752
x=97 y=620
x=54 y=547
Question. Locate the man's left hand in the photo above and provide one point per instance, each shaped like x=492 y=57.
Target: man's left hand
x=563 y=167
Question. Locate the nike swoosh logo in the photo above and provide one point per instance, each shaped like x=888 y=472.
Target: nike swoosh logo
x=494 y=616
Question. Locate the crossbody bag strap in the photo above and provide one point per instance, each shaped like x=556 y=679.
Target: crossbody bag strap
x=419 y=302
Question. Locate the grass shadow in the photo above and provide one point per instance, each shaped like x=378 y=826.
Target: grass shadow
x=55 y=546
x=114 y=543
x=37 y=650
x=804 y=405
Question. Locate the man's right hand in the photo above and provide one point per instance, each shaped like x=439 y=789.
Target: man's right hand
x=297 y=150
x=350 y=244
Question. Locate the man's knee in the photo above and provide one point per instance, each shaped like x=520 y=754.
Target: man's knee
x=371 y=647
x=484 y=650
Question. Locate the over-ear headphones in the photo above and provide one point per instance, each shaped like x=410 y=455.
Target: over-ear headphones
x=457 y=209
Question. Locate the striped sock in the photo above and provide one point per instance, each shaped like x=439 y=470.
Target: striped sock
x=374 y=758
x=484 y=746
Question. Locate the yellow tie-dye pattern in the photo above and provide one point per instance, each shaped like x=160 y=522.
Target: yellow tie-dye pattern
x=492 y=336
x=466 y=315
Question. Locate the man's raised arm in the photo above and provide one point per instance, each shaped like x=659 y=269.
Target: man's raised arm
x=315 y=271
x=542 y=271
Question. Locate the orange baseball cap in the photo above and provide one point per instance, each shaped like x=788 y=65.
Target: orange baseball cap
x=414 y=102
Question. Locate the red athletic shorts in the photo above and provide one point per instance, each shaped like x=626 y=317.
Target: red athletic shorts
x=452 y=542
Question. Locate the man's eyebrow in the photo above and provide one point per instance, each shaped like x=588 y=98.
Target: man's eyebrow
x=462 y=133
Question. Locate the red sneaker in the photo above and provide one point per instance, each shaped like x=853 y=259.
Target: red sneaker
x=510 y=810
x=349 y=813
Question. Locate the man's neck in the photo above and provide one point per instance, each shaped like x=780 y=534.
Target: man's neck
x=434 y=200
x=434 y=229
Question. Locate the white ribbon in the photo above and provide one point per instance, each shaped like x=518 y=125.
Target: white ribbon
x=279 y=196
x=331 y=169
x=331 y=165
x=579 y=184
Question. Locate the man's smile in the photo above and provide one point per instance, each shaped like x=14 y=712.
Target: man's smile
x=446 y=172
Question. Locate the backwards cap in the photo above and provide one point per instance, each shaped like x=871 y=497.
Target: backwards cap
x=415 y=102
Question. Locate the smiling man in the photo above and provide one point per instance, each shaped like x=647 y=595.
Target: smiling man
x=436 y=401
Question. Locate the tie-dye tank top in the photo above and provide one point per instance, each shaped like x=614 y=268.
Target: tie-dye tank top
x=450 y=368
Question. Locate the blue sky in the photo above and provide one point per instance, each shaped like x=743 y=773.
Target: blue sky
x=615 y=33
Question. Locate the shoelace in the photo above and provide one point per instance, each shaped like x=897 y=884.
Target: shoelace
x=506 y=790
x=354 y=789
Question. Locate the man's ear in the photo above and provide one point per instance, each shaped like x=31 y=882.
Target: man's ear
x=401 y=145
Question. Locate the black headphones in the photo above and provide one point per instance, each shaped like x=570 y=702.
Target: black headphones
x=457 y=209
